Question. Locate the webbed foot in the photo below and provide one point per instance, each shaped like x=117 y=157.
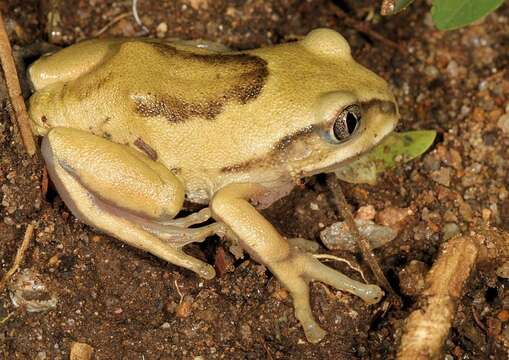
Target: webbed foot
x=298 y=269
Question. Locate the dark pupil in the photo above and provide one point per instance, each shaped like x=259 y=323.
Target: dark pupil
x=345 y=126
x=351 y=122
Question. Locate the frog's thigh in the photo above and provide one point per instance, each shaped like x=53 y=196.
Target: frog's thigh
x=123 y=178
x=293 y=268
x=79 y=162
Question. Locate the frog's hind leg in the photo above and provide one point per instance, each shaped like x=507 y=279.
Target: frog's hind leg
x=101 y=182
x=293 y=267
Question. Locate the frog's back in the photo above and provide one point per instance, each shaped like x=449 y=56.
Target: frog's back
x=157 y=91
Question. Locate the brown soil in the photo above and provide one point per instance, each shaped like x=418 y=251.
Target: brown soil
x=126 y=303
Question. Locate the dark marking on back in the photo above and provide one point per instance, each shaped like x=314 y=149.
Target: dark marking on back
x=146 y=148
x=250 y=73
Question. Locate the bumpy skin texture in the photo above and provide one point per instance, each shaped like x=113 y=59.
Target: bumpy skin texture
x=132 y=127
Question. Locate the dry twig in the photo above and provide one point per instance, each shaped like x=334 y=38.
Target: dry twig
x=362 y=242
x=19 y=257
x=336 y=258
x=115 y=20
x=14 y=89
x=365 y=29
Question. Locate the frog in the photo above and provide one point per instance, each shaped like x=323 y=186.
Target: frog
x=133 y=129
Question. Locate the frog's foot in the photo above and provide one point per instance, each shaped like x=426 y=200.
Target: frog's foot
x=293 y=267
x=178 y=233
x=111 y=187
x=298 y=269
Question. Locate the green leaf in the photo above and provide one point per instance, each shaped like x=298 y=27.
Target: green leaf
x=452 y=14
x=395 y=149
x=401 y=5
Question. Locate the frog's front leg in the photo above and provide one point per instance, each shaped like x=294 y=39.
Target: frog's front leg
x=294 y=268
x=122 y=192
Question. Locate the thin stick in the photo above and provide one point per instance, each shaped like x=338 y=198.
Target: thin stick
x=365 y=29
x=137 y=17
x=336 y=258
x=19 y=257
x=111 y=23
x=178 y=291
x=14 y=89
x=362 y=242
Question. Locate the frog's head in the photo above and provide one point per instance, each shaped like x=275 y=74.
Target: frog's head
x=352 y=109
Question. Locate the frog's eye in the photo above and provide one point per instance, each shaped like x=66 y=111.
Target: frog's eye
x=346 y=123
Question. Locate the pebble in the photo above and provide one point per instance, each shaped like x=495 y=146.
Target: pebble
x=184 y=308
x=412 y=278
x=452 y=68
x=338 y=235
x=393 y=217
x=367 y=212
x=450 y=229
x=442 y=176
x=161 y=30
x=81 y=351
x=503 y=315
x=503 y=270
x=503 y=123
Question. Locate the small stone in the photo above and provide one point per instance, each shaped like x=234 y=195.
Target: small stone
x=394 y=217
x=486 y=215
x=161 y=30
x=338 y=235
x=465 y=211
x=197 y=4
x=412 y=278
x=431 y=71
x=442 y=176
x=184 y=308
x=245 y=331
x=41 y=355
x=503 y=270
x=314 y=206
x=449 y=230
x=81 y=351
x=503 y=315
x=503 y=123
x=96 y=238
x=367 y=212
x=453 y=68
x=280 y=294
x=165 y=325
x=54 y=261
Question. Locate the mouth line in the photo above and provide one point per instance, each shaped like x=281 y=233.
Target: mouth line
x=338 y=165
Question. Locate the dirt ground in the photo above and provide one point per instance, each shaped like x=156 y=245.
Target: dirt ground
x=127 y=304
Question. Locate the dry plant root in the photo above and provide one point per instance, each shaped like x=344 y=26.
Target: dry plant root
x=19 y=257
x=14 y=90
x=426 y=329
x=362 y=242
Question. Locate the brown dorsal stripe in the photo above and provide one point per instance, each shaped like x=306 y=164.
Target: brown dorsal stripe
x=246 y=76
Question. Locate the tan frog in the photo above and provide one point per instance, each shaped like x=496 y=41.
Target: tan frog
x=133 y=127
